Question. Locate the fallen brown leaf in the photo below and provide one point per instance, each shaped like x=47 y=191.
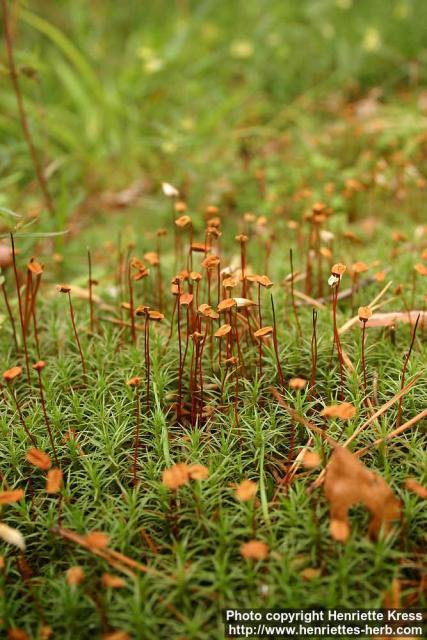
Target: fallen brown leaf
x=349 y=482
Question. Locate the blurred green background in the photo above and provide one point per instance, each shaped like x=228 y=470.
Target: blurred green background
x=191 y=92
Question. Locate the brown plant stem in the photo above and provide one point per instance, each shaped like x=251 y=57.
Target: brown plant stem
x=147 y=360
x=294 y=306
x=405 y=364
x=131 y=310
x=275 y=345
x=21 y=111
x=76 y=335
x=178 y=306
x=21 y=417
x=313 y=354
x=90 y=283
x=46 y=419
x=34 y=315
x=365 y=385
x=337 y=337
x=10 y=314
x=21 y=316
x=138 y=427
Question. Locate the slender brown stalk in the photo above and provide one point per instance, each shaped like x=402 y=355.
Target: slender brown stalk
x=138 y=428
x=313 y=353
x=337 y=337
x=10 y=314
x=260 y=350
x=34 y=315
x=147 y=360
x=202 y=347
x=131 y=305
x=21 y=417
x=294 y=306
x=21 y=313
x=77 y=339
x=405 y=364
x=38 y=366
x=365 y=384
x=90 y=283
x=275 y=345
x=178 y=306
x=27 y=302
x=21 y=110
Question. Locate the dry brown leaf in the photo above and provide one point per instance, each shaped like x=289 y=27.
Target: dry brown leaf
x=391 y=318
x=254 y=550
x=246 y=490
x=349 y=482
x=97 y=539
x=39 y=459
x=112 y=581
x=9 y=497
x=53 y=480
x=75 y=575
x=416 y=487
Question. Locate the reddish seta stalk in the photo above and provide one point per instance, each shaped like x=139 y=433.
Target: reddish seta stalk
x=131 y=306
x=10 y=314
x=43 y=403
x=365 y=384
x=405 y=364
x=90 y=284
x=178 y=306
x=275 y=345
x=147 y=359
x=21 y=313
x=337 y=337
x=76 y=335
x=313 y=354
x=138 y=427
x=21 y=417
x=294 y=306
